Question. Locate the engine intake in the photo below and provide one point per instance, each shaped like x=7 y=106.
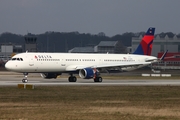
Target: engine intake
x=88 y=73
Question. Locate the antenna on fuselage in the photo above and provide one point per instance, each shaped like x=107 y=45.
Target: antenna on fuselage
x=26 y=51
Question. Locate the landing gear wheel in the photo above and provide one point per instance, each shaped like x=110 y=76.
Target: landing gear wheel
x=98 y=79
x=72 y=79
x=24 y=80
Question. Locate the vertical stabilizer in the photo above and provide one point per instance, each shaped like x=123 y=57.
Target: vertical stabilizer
x=145 y=46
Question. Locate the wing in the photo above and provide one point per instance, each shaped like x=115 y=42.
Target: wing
x=123 y=64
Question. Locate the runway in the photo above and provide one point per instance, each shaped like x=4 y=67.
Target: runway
x=14 y=80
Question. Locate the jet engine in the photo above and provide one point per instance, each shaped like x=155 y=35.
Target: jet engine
x=50 y=75
x=88 y=73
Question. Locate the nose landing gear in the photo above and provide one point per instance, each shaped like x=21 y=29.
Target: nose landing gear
x=25 y=80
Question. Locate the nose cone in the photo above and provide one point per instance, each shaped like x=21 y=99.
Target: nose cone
x=8 y=66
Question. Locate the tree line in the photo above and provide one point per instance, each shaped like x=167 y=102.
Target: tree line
x=64 y=41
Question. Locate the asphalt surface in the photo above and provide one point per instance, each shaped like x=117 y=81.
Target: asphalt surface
x=13 y=79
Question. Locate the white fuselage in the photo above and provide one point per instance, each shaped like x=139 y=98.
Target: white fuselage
x=62 y=62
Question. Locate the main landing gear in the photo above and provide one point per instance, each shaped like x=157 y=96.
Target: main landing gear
x=25 y=80
x=72 y=78
x=98 y=79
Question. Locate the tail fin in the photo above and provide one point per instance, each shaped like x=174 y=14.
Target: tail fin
x=145 y=46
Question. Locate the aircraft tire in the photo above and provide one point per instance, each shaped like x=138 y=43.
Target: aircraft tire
x=24 y=80
x=72 y=79
x=98 y=79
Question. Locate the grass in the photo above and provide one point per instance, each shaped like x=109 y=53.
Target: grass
x=90 y=103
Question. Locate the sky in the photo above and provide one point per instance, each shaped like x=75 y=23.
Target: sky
x=89 y=16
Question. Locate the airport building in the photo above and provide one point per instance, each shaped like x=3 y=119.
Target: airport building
x=7 y=50
x=160 y=45
x=106 y=46
x=82 y=50
x=30 y=43
x=102 y=47
x=171 y=61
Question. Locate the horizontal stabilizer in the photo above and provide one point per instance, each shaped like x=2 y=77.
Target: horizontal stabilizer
x=163 y=56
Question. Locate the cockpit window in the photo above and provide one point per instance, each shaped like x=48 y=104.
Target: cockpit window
x=16 y=59
x=13 y=59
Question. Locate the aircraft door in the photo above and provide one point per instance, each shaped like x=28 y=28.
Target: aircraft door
x=63 y=63
x=32 y=63
x=100 y=61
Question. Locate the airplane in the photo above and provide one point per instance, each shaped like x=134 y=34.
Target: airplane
x=87 y=65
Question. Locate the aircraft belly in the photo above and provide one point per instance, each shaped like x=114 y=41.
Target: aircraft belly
x=130 y=68
x=47 y=67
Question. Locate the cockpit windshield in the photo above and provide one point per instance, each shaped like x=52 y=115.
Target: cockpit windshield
x=16 y=59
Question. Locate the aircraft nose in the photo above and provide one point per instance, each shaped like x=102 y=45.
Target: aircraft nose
x=8 y=66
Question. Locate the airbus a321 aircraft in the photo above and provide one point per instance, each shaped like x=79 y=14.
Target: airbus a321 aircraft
x=88 y=66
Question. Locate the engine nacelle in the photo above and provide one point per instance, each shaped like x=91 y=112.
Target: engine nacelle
x=49 y=75
x=88 y=73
